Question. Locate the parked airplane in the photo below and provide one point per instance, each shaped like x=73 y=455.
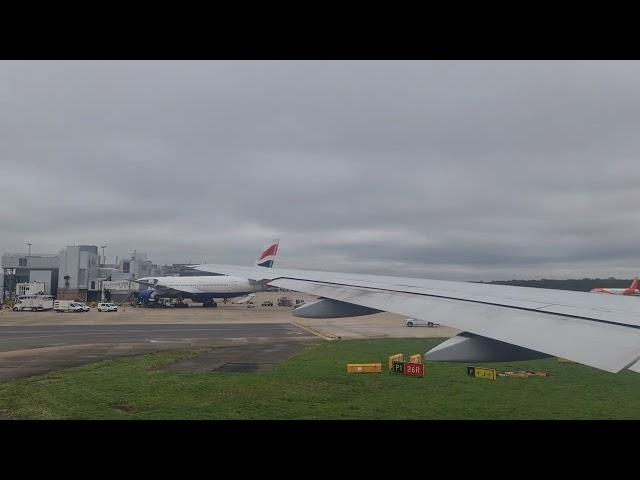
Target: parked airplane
x=498 y=322
x=207 y=289
x=631 y=290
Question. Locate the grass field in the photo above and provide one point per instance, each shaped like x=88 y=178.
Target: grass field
x=315 y=385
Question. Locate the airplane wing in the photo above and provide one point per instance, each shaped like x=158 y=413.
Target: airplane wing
x=602 y=331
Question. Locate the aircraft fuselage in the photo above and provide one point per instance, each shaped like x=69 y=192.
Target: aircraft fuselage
x=201 y=289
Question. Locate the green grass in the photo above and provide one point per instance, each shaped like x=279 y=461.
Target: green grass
x=315 y=385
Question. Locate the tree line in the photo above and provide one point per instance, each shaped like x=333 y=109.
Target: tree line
x=580 y=285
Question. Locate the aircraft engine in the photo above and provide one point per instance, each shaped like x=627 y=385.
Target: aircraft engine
x=467 y=347
x=145 y=296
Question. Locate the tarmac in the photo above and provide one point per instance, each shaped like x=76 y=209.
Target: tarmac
x=38 y=342
x=30 y=337
x=35 y=350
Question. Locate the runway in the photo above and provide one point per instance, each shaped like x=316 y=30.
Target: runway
x=21 y=338
x=40 y=342
x=31 y=350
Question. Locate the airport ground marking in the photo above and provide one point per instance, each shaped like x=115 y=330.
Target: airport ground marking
x=315 y=332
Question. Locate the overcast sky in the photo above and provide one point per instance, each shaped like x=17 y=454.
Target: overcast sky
x=464 y=170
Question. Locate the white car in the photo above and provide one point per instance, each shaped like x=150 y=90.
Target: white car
x=107 y=307
x=416 y=322
x=80 y=307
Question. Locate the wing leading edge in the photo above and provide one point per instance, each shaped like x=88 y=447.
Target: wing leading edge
x=601 y=331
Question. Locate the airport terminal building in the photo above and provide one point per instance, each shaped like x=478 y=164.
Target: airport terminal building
x=75 y=273
x=23 y=268
x=79 y=273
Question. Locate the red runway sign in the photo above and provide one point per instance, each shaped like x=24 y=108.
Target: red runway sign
x=409 y=369
x=414 y=369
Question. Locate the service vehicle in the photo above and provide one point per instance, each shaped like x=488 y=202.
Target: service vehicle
x=416 y=322
x=267 y=304
x=84 y=306
x=285 y=302
x=61 y=306
x=31 y=303
x=107 y=307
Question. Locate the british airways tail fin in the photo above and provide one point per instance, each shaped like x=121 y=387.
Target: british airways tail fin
x=267 y=257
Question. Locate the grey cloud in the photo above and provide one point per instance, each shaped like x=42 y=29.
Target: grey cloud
x=467 y=170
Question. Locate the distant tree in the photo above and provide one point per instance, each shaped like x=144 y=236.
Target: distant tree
x=582 y=285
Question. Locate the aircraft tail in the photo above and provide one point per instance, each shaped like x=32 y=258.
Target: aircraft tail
x=634 y=285
x=267 y=257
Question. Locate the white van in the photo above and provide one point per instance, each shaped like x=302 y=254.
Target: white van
x=107 y=307
x=84 y=306
x=67 y=306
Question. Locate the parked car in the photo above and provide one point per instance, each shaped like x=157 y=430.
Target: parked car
x=67 y=306
x=416 y=322
x=79 y=307
x=83 y=306
x=107 y=307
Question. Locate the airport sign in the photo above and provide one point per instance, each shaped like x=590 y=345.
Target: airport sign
x=477 y=372
x=408 y=369
x=414 y=369
x=398 y=367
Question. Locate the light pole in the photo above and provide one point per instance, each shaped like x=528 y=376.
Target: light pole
x=13 y=282
x=29 y=261
x=104 y=259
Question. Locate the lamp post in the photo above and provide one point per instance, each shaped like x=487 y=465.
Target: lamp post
x=104 y=259
x=12 y=285
x=29 y=262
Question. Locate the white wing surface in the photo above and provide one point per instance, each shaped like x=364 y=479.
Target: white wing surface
x=602 y=331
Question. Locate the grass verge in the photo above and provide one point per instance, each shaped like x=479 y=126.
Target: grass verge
x=315 y=385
